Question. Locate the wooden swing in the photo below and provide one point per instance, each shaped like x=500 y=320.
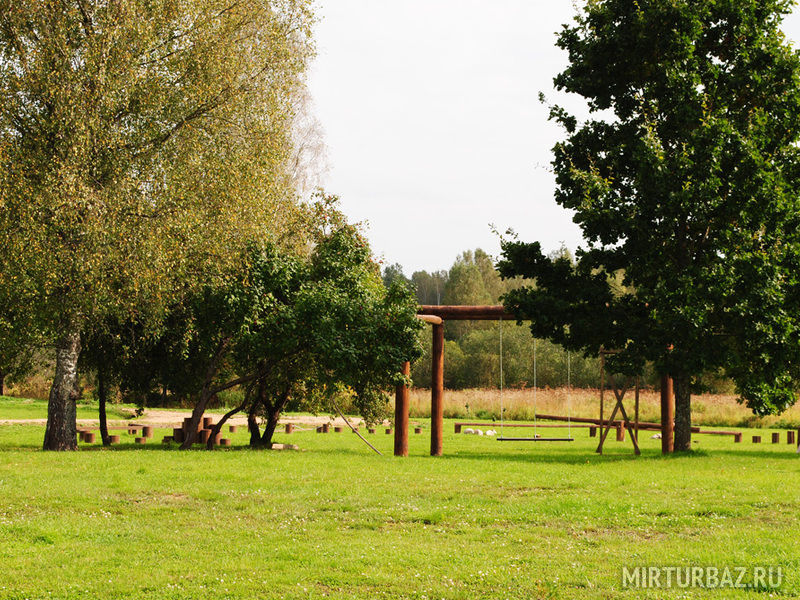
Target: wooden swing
x=535 y=437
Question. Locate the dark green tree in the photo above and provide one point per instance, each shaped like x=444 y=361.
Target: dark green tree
x=684 y=181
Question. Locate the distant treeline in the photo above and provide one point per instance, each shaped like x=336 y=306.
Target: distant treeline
x=472 y=348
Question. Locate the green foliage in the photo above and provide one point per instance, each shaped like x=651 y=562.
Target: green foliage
x=292 y=327
x=143 y=146
x=684 y=182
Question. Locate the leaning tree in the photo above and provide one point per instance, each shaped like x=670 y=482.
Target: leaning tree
x=685 y=182
x=142 y=144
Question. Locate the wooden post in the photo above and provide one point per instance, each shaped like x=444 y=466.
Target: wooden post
x=401 y=416
x=636 y=411
x=620 y=433
x=790 y=437
x=437 y=390
x=756 y=439
x=592 y=431
x=602 y=382
x=667 y=415
x=288 y=428
x=776 y=437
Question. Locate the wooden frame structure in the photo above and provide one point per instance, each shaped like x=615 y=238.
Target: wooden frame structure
x=435 y=315
x=619 y=395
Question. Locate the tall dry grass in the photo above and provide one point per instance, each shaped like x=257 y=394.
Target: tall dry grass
x=714 y=410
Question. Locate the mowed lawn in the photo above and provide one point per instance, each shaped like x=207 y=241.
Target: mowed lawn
x=487 y=520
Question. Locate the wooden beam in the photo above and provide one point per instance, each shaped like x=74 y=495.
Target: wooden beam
x=467 y=312
x=432 y=319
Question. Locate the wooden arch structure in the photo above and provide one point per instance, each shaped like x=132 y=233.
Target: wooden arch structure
x=436 y=315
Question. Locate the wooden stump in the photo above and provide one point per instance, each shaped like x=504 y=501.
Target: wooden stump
x=337 y=429
x=114 y=439
x=224 y=442
x=232 y=428
x=141 y=440
x=776 y=437
x=203 y=436
x=371 y=430
x=81 y=435
x=132 y=431
x=319 y=429
x=208 y=422
x=620 y=433
x=167 y=439
x=593 y=431
x=790 y=437
x=388 y=431
x=457 y=428
x=88 y=437
x=326 y=427
x=288 y=428
x=737 y=438
x=147 y=431
x=417 y=429
x=756 y=439
x=178 y=435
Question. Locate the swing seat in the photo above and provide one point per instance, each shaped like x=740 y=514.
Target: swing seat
x=535 y=439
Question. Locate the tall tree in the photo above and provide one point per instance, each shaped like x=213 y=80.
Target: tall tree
x=685 y=182
x=142 y=143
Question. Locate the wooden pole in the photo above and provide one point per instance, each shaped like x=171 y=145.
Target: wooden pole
x=437 y=390
x=602 y=382
x=401 y=416
x=667 y=415
x=636 y=416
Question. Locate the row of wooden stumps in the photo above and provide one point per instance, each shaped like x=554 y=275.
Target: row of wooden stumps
x=205 y=429
x=326 y=428
x=146 y=431
x=776 y=437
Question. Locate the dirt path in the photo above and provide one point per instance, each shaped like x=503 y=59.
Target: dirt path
x=166 y=419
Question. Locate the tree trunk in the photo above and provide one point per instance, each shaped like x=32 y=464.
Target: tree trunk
x=197 y=414
x=683 y=413
x=252 y=422
x=102 y=394
x=60 y=433
x=218 y=427
x=273 y=414
x=2 y=383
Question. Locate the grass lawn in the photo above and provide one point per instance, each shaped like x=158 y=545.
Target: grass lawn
x=24 y=408
x=487 y=520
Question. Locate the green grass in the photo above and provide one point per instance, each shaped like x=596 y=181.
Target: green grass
x=487 y=520
x=24 y=408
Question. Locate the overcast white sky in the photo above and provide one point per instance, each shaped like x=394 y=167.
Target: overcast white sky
x=433 y=125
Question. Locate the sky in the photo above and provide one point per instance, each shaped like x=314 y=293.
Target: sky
x=434 y=131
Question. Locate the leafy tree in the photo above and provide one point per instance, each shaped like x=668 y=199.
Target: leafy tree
x=19 y=339
x=392 y=273
x=292 y=327
x=142 y=145
x=684 y=182
x=430 y=286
